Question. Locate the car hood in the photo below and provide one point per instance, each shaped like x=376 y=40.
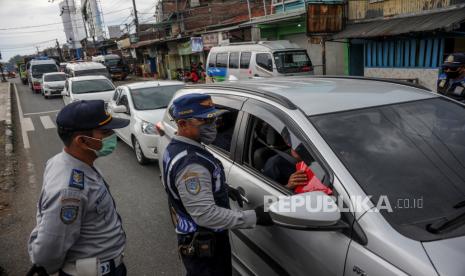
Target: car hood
x=447 y=255
x=151 y=116
x=56 y=83
x=106 y=96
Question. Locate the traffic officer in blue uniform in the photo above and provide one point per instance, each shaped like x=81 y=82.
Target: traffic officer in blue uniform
x=197 y=191
x=78 y=230
x=451 y=82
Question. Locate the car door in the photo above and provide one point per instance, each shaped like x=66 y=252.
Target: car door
x=125 y=133
x=276 y=250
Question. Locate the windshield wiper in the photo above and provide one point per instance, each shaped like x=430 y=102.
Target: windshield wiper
x=447 y=223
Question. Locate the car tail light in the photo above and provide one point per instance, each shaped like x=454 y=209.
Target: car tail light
x=307 y=68
x=160 y=128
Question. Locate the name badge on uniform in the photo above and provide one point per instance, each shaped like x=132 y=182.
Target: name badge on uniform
x=77 y=179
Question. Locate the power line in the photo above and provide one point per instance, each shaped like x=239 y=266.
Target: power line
x=29 y=43
x=50 y=24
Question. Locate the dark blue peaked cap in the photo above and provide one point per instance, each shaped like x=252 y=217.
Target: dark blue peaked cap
x=88 y=115
x=194 y=105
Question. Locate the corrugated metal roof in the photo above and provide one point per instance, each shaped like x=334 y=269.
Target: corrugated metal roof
x=396 y=26
x=278 y=17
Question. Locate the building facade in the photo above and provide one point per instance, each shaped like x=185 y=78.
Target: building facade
x=403 y=39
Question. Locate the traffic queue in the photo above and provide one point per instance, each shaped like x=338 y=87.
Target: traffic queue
x=236 y=156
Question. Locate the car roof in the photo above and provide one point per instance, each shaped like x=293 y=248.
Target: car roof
x=276 y=45
x=85 y=65
x=42 y=61
x=147 y=84
x=323 y=94
x=88 y=78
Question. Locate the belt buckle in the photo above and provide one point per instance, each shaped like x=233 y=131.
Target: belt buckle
x=105 y=267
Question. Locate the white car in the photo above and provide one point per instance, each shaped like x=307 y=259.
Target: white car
x=144 y=104
x=53 y=84
x=88 y=88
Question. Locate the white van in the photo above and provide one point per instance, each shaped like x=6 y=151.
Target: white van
x=257 y=59
x=37 y=68
x=79 y=69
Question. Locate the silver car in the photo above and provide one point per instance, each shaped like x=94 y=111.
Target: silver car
x=397 y=149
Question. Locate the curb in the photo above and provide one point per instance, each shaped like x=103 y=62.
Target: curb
x=9 y=168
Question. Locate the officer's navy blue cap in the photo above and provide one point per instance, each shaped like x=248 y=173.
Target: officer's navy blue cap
x=454 y=60
x=88 y=115
x=194 y=105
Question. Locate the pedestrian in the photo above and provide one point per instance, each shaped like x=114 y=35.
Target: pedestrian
x=79 y=231
x=452 y=82
x=197 y=191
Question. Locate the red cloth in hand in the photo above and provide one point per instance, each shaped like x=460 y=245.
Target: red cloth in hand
x=313 y=184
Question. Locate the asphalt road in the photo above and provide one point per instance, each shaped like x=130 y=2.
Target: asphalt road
x=138 y=192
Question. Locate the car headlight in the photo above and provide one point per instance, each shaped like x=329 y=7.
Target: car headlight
x=148 y=128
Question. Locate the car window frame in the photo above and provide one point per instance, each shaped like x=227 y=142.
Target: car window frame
x=237 y=59
x=234 y=102
x=250 y=108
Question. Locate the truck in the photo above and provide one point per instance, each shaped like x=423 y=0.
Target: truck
x=114 y=63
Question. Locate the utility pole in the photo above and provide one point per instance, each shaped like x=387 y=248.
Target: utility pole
x=248 y=7
x=136 y=19
x=59 y=51
x=264 y=6
x=37 y=47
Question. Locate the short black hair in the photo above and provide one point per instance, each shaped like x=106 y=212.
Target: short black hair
x=67 y=135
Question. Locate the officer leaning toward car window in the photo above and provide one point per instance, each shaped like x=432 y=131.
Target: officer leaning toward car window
x=452 y=82
x=197 y=191
x=79 y=231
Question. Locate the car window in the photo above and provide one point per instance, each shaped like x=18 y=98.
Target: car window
x=222 y=60
x=276 y=154
x=245 y=60
x=55 y=77
x=234 y=60
x=409 y=151
x=264 y=60
x=123 y=100
x=225 y=128
x=151 y=98
x=212 y=60
x=92 y=86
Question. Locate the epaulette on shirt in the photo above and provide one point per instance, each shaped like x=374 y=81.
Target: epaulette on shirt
x=77 y=179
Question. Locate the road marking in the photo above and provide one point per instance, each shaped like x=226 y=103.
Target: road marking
x=39 y=113
x=47 y=122
x=26 y=125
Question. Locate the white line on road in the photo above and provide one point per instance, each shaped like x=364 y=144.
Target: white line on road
x=47 y=122
x=25 y=124
x=43 y=112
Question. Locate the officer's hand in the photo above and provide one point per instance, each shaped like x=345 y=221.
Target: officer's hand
x=235 y=195
x=297 y=179
x=37 y=270
x=263 y=218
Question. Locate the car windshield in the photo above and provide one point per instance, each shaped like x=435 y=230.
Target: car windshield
x=39 y=69
x=91 y=72
x=153 y=97
x=292 y=62
x=91 y=86
x=112 y=62
x=55 y=77
x=413 y=154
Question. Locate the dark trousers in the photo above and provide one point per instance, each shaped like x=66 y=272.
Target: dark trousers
x=119 y=271
x=218 y=265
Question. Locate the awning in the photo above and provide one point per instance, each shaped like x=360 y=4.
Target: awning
x=144 y=43
x=447 y=19
x=278 y=17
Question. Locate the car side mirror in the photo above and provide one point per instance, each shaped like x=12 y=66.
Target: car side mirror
x=64 y=93
x=119 y=109
x=314 y=211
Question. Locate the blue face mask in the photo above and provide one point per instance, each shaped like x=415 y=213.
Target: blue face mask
x=108 y=145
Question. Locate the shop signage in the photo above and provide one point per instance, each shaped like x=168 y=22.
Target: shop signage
x=196 y=44
x=210 y=40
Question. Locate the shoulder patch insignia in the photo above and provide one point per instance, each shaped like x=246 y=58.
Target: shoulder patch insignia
x=192 y=185
x=77 y=179
x=69 y=214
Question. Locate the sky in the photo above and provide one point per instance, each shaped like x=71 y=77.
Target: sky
x=23 y=14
